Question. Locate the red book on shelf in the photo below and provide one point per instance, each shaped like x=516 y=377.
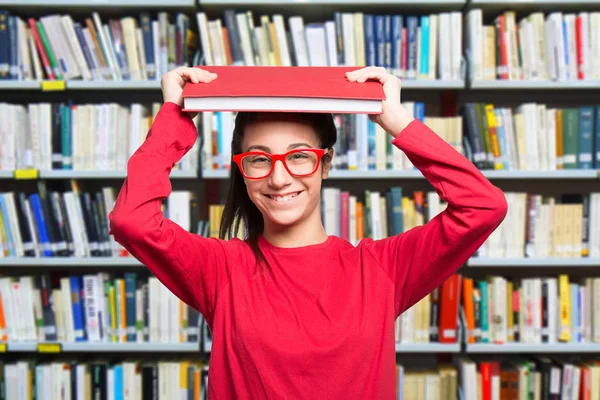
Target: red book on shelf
x=287 y=89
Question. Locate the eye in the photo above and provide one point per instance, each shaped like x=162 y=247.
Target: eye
x=297 y=156
x=259 y=159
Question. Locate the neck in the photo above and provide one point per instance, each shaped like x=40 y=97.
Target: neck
x=307 y=232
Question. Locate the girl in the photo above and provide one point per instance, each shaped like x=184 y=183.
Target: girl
x=295 y=313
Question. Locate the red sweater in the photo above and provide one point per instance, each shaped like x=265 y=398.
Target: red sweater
x=320 y=324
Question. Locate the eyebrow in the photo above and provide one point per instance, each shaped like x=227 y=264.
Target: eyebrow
x=268 y=150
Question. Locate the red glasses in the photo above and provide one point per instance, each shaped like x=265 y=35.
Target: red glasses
x=298 y=162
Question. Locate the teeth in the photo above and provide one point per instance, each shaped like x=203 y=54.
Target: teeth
x=283 y=199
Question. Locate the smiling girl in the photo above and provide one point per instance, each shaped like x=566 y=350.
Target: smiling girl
x=295 y=313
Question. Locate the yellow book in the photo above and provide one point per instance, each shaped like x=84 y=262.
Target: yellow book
x=113 y=312
x=509 y=314
x=492 y=124
x=183 y=375
x=565 y=307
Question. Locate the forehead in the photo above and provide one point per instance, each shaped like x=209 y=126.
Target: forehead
x=278 y=134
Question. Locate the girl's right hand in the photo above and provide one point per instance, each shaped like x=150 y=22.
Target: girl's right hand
x=172 y=82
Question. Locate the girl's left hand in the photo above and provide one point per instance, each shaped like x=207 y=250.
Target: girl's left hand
x=394 y=117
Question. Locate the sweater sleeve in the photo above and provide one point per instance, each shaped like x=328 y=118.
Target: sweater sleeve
x=422 y=258
x=191 y=266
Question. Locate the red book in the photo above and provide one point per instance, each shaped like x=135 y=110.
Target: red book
x=449 y=304
x=288 y=89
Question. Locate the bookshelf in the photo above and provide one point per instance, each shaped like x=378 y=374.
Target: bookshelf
x=438 y=94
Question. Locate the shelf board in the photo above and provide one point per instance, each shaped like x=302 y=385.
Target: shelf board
x=114 y=85
x=480 y=262
x=525 y=348
x=69 y=261
x=98 y=3
x=557 y=174
x=432 y=84
x=19 y=85
x=538 y=4
x=110 y=347
x=427 y=348
x=415 y=174
x=423 y=3
x=527 y=85
x=91 y=174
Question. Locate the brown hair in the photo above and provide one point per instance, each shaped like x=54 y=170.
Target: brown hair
x=238 y=205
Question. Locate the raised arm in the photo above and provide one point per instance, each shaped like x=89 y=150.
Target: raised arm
x=422 y=258
x=192 y=267
x=419 y=260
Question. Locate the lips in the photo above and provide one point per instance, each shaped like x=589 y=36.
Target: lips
x=283 y=198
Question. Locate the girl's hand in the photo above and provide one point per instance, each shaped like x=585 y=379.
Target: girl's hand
x=172 y=82
x=394 y=117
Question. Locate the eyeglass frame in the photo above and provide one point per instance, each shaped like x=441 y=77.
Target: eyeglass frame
x=237 y=158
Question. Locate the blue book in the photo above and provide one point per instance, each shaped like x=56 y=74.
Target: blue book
x=412 y=24
x=597 y=134
x=396 y=49
x=370 y=55
x=397 y=213
x=424 y=63
x=77 y=305
x=7 y=228
x=380 y=40
x=387 y=35
x=372 y=140
x=40 y=225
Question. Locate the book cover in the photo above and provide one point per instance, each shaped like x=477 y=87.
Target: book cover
x=299 y=89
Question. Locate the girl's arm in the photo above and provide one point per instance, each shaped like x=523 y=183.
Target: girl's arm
x=192 y=267
x=419 y=260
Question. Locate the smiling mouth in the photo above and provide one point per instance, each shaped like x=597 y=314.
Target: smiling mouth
x=283 y=199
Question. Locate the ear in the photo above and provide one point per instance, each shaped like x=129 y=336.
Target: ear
x=326 y=167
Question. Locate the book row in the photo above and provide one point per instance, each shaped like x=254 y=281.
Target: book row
x=529 y=378
x=547 y=309
x=538 y=226
x=57 y=47
x=65 y=222
x=558 y=46
x=535 y=225
x=98 y=379
x=553 y=46
x=409 y=46
x=94 y=308
x=136 y=308
x=523 y=378
x=532 y=136
x=78 y=137
x=529 y=137
x=171 y=379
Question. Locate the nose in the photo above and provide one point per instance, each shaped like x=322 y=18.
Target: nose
x=280 y=177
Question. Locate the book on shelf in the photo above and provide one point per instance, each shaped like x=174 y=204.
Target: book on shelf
x=427 y=46
x=68 y=136
x=285 y=89
x=543 y=226
x=131 y=378
x=144 y=46
x=556 y=46
x=94 y=308
x=531 y=310
x=59 y=47
x=532 y=136
x=535 y=377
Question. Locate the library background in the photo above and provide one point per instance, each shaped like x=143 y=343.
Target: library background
x=511 y=84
